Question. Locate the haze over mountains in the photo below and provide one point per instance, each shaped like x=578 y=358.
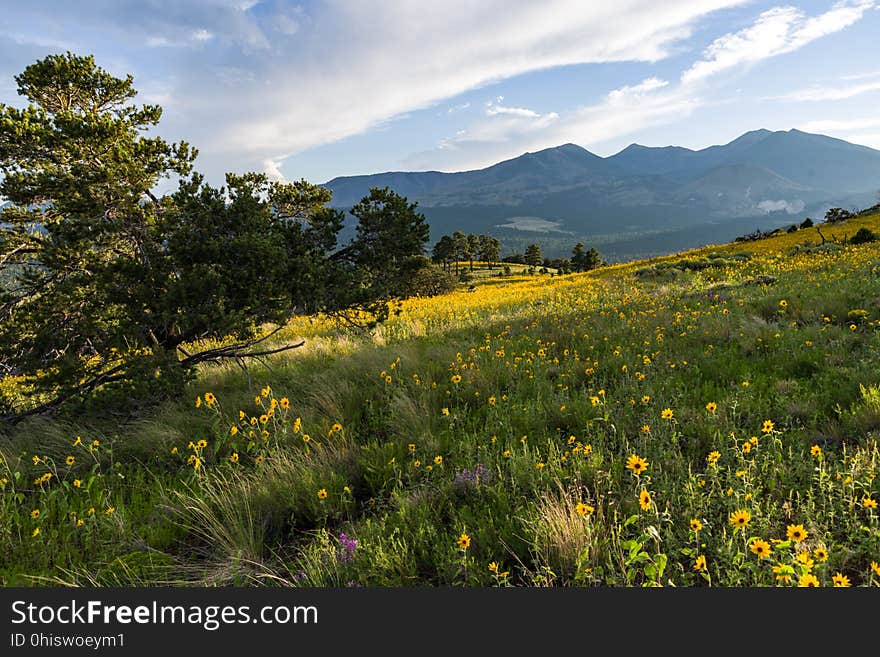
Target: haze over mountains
x=642 y=200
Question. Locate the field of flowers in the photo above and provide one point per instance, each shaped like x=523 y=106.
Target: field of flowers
x=707 y=418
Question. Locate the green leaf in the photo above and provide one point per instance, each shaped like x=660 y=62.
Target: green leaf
x=661 y=561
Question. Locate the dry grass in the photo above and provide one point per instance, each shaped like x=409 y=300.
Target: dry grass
x=564 y=540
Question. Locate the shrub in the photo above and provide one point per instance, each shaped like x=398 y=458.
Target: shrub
x=431 y=280
x=863 y=236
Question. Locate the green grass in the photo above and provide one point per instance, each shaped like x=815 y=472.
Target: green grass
x=499 y=272
x=504 y=416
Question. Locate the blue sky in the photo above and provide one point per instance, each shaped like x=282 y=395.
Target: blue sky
x=339 y=87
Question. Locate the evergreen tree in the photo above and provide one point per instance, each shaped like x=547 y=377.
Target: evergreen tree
x=490 y=249
x=461 y=247
x=473 y=248
x=533 y=256
x=578 y=257
x=835 y=215
x=443 y=252
x=80 y=253
x=592 y=259
x=105 y=286
x=387 y=251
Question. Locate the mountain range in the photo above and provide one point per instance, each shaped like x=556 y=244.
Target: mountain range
x=643 y=200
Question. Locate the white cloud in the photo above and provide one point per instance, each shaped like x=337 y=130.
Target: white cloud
x=248 y=97
x=838 y=125
x=42 y=41
x=287 y=25
x=623 y=114
x=861 y=130
x=356 y=67
x=500 y=125
x=818 y=94
x=790 y=207
x=869 y=139
x=842 y=15
x=195 y=38
x=861 y=76
x=777 y=31
x=159 y=42
x=495 y=110
x=289 y=20
x=626 y=93
x=272 y=169
x=352 y=65
x=500 y=135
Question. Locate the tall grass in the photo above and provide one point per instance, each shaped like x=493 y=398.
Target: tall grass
x=482 y=439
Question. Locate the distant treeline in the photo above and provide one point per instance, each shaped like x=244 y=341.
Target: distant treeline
x=832 y=216
x=450 y=250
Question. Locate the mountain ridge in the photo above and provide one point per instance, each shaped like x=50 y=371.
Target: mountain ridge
x=763 y=177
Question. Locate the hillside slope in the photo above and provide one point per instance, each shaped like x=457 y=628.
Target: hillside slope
x=706 y=418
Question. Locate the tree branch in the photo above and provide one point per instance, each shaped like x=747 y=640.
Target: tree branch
x=344 y=317
x=113 y=374
x=343 y=253
x=237 y=351
x=153 y=198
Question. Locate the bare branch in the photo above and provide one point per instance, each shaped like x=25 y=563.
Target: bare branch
x=113 y=374
x=238 y=351
x=153 y=198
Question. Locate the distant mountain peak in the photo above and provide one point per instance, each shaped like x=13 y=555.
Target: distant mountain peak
x=748 y=138
x=569 y=146
x=568 y=149
x=759 y=132
x=641 y=188
x=639 y=147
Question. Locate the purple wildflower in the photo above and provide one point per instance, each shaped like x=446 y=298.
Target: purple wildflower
x=466 y=480
x=347 y=546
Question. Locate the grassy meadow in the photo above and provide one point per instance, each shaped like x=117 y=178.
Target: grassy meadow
x=708 y=418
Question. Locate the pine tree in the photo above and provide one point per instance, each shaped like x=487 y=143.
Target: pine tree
x=533 y=255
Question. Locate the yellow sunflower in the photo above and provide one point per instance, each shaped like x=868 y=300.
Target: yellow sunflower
x=797 y=533
x=761 y=548
x=840 y=580
x=740 y=518
x=637 y=464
